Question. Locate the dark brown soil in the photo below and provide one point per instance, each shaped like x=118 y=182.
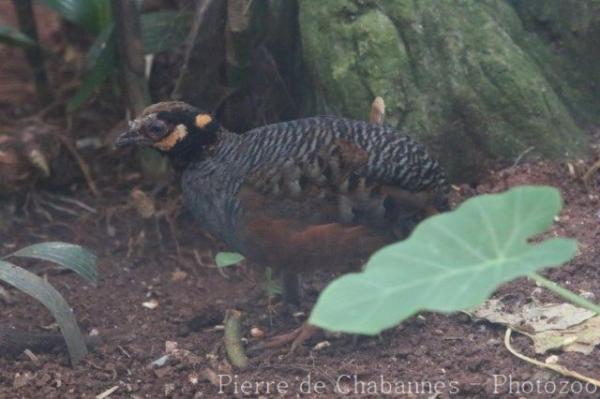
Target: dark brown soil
x=192 y=296
x=142 y=260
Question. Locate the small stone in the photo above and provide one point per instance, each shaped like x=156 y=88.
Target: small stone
x=169 y=388
x=170 y=346
x=299 y=315
x=551 y=359
x=22 y=379
x=322 y=345
x=161 y=372
x=151 y=304
x=193 y=378
x=256 y=332
x=587 y=294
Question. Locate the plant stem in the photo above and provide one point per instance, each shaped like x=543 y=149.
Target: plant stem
x=131 y=58
x=565 y=293
x=244 y=29
x=131 y=54
x=233 y=339
x=34 y=54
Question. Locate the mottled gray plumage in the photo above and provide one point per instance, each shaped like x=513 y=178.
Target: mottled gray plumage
x=279 y=161
x=315 y=193
x=311 y=193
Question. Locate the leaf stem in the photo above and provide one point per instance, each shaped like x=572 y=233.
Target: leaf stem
x=565 y=293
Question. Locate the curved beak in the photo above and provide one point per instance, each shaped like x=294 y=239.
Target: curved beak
x=132 y=136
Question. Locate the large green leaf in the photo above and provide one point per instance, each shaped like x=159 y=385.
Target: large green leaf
x=41 y=290
x=70 y=256
x=13 y=37
x=452 y=261
x=91 y=15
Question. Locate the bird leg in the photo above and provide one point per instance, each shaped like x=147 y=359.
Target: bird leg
x=295 y=337
x=291 y=287
x=291 y=296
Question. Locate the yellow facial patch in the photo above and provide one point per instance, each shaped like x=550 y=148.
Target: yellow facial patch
x=202 y=120
x=172 y=138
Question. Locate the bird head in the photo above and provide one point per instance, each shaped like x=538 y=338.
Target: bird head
x=174 y=128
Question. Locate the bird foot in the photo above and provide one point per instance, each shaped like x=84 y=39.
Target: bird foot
x=296 y=338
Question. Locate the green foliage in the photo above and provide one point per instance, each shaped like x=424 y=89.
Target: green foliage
x=91 y=15
x=161 y=31
x=452 y=261
x=463 y=76
x=101 y=60
x=69 y=256
x=225 y=259
x=272 y=286
x=13 y=37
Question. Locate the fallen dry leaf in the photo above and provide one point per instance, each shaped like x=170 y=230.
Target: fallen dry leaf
x=581 y=338
x=550 y=326
x=178 y=275
x=22 y=379
x=533 y=317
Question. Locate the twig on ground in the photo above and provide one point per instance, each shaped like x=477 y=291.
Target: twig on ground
x=587 y=177
x=83 y=166
x=554 y=367
x=521 y=155
x=57 y=207
x=73 y=201
x=107 y=393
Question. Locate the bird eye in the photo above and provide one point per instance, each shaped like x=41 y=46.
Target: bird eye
x=156 y=128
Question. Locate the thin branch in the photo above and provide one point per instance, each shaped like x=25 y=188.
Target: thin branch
x=244 y=21
x=131 y=54
x=200 y=21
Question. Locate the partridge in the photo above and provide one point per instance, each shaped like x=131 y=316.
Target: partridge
x=316 y=193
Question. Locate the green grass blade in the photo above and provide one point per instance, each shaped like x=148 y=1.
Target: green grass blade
x=13 y=37
x=41 y=290
x=105 y=62
x=69 y=256
x=451 y=262
x=102 y=43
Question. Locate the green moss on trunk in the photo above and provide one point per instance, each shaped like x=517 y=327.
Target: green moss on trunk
x=464 y=77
